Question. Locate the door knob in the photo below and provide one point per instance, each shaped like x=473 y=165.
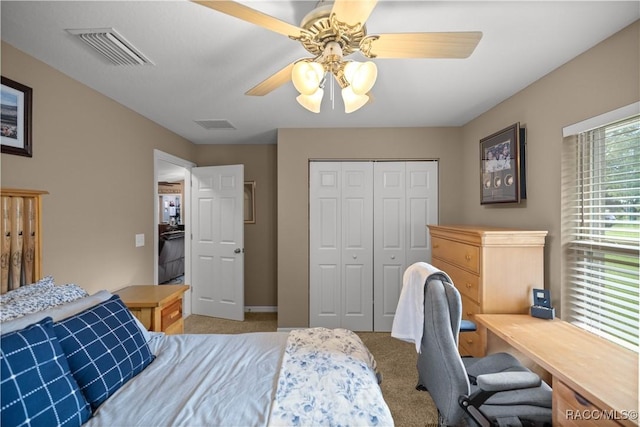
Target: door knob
x=393 y=257
x=355 y=257
x=237 y=251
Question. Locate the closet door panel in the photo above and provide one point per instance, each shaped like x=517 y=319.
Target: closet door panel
x=325 y=236
x=357 y=248
x=422 y=209
x=390 y=240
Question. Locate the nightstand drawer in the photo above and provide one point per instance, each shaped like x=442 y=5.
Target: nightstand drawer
x=171 y=314
x=159 y=307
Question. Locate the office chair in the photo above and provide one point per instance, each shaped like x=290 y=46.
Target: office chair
x=495 y=390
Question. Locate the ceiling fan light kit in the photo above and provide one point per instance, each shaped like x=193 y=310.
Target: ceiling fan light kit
x=335 y=30
x=306 y=77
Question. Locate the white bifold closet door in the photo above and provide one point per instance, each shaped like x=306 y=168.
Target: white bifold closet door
x=367 y=223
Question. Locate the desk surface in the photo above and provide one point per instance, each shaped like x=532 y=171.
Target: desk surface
x=604 y=373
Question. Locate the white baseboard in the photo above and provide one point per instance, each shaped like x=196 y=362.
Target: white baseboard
x=261 y=309
x=287 y=329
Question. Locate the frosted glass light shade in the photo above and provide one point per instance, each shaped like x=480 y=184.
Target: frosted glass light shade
x=353 y=101
x=361 y=76
x=311 y=102
x=306 y=76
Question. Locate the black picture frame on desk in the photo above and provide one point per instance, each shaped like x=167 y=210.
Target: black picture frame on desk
x=15 y=118
x=502 y=166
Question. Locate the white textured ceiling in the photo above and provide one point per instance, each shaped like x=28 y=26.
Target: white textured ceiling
x=205 y=61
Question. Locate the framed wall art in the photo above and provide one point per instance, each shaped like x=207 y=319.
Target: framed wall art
x=249 y=202
x=502 y=166
x=15 y=118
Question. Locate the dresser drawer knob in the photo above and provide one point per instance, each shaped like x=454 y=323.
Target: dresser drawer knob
x=469 y=341
x=174 y=314
x=470 y=314
x=468 y=285
x=467 y=257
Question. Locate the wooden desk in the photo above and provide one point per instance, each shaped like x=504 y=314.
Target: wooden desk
x=602 y=374
x=158 y=307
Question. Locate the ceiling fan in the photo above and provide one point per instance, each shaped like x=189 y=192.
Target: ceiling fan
x=333 y=31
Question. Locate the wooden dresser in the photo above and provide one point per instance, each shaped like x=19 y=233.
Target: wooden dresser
x=158 y=307
x=495 y=270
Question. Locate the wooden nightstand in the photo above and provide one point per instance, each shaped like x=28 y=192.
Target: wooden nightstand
x=158 y=307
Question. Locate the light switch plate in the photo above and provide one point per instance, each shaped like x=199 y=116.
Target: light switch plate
x=139 y=240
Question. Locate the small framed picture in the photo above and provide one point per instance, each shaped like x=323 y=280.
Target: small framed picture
x=249 y=202
x=502 y=166
x=15 y=118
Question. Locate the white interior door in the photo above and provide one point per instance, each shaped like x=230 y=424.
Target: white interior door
x=341 y=245
x=217 y=255
x=357 y=246
x=390 y=237
x=405 y=202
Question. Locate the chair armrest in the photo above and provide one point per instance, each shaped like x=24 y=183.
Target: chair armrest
x=502 y=381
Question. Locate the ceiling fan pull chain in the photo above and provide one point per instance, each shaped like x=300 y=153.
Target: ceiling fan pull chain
x=333 y=100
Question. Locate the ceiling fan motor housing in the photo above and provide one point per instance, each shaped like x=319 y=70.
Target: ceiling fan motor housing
x=322 y=28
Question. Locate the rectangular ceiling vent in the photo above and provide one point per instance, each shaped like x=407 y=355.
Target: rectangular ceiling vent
x=216 y=124
x=113 y=46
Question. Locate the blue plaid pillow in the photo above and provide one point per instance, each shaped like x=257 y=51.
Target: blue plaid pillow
x=105 y=348
x=37 y=387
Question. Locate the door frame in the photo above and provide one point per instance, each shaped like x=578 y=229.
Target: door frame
x=161 y=156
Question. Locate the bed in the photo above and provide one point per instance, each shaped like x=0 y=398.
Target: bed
x=85 y=360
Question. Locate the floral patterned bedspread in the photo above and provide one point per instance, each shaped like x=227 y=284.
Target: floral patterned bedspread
x=328 y=378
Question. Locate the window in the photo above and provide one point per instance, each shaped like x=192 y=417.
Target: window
x=601 y=231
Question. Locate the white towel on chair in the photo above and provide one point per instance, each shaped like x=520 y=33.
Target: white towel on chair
x=408 y=321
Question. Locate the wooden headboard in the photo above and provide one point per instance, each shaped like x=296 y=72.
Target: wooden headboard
x=21 y=249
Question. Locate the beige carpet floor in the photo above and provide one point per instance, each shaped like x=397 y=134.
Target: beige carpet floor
x=396 y=360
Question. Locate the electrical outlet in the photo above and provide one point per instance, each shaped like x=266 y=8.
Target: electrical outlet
x=139 y=240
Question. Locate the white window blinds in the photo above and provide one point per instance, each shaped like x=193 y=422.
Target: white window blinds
x=601 y=231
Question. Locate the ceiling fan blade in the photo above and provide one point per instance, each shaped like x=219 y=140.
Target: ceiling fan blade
x=421 y=45
x=252 y=16
x=272 y=82
x=353 y=12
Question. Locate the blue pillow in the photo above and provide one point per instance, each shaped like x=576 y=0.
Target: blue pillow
x=104 y=347
x=37 y=387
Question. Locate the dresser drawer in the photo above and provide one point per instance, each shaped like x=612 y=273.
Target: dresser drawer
x=468 y=284
x=469 y=308
x=470 y=344
x=456 y=253
x=171 y=314
x=571 y=409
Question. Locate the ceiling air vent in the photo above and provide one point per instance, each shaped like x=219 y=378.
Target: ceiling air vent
x=112 y=46
x=215 y=124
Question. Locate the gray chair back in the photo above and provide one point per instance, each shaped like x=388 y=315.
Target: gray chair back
x=440 y=368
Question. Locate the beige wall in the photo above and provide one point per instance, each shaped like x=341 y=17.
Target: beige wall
x=297 y=146
x=95 y=158
x=260 y=238
x=602 y=79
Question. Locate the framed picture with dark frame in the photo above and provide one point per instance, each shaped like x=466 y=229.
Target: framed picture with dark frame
x=502 y=166
x=15 y=118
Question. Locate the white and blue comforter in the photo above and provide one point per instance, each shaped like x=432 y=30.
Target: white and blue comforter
x=309 y=377
x=328 y=378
